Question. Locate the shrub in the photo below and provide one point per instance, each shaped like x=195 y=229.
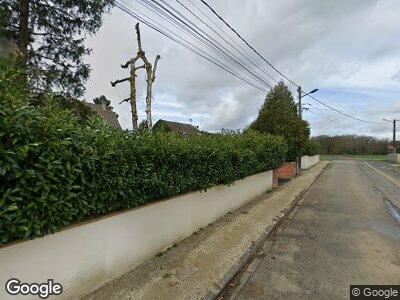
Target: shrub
x=312 y=148
x=77 y=107
x=55 y=170
x=278 y=116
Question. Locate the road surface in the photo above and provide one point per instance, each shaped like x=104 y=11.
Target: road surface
x=346 y=231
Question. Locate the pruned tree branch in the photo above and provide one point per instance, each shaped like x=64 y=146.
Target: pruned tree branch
x=139 y=41
x=114 y=83
x=140 y=67
x=153 y=77
x=130 y=62
x=150 y=72
x=126 y=65
x=125 y=100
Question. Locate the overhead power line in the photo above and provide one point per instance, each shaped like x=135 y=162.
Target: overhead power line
x=183 y=42
x=228 y=61
x=343 y=113
x=219 y=27
x=355 y=109
x=173 y=12
x=279 y=72
x=180 y=22
x=336 y=122
x=322 y=116
x=250 y=46
x=243 y=52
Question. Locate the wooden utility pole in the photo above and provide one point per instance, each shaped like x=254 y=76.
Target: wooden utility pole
x=150 y=72
x=394 y=134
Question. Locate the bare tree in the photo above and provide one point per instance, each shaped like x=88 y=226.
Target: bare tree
x=151 y=76
x=150 y=72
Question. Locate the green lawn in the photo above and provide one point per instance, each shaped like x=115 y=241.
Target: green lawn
x=354 y=157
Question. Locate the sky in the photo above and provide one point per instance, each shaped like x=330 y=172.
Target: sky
x=349 y=50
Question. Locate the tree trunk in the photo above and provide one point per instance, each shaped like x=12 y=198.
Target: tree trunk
x=133 y=98
x=23 y=33
x=151 y=76
x=148 y=95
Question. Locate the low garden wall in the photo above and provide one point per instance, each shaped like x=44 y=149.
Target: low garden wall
x=309 y=161
x=84 y=256
x=286 y=170
x=394 y=158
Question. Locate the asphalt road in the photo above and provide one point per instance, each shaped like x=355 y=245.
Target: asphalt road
x=344 y=232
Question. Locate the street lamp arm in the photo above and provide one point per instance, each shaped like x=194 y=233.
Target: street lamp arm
x=312 y=92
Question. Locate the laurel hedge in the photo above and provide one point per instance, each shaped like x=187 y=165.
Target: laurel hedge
x=55 y=170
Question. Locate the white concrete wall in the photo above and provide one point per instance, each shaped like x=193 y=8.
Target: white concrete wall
x=305 y=162
x=394 y=158
x=309 y=161
x=86 y=256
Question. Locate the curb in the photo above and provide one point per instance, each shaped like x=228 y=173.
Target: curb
x=245 y=258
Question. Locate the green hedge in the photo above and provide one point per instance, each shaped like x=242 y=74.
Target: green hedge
x=54 y=171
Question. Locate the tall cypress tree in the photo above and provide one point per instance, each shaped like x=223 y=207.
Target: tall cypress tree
x=50 y=37
x=278 y=116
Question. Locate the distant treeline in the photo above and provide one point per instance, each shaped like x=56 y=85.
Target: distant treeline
x=351 y=145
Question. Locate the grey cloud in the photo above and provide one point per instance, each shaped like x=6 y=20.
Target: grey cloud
x=317 y=43
x=396 y=76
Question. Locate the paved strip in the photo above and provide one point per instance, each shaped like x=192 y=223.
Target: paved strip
x=386 y=180
x=388 y=177
x=199 y=266
x=342 y=234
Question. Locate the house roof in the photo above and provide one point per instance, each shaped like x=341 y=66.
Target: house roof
x=110 y=116
x=182 y=128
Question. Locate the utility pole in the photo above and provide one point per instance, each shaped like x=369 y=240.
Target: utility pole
x=301 y=117
x=151 y=76
x=394 y=134
x=299 y=96
x=300 y=109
